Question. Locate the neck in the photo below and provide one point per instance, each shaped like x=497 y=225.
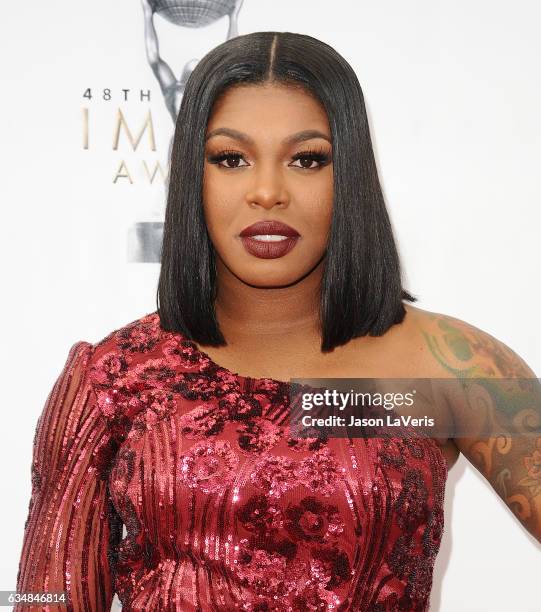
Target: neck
x=246 y=313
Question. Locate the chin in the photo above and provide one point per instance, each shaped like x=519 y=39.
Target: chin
x=273 y=272
x=270 y=280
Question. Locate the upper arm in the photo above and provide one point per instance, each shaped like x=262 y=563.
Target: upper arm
x=496 y=406
x=70 y=523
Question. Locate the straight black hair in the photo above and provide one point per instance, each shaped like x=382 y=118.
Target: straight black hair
x=361 y=291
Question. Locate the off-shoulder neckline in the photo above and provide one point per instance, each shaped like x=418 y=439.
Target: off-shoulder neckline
x=202 y=355
x=243 y=379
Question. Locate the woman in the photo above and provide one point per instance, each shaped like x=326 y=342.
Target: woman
x=278 y=262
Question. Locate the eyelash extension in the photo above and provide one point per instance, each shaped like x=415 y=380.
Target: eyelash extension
x=222 y=156
x=318 y=155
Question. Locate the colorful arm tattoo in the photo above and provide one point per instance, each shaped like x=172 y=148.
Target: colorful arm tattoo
x=509 y=457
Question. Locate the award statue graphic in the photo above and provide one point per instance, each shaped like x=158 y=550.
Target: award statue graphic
x=145 y=237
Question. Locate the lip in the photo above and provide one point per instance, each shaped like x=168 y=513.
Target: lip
x=269 y=250
x=269 y=227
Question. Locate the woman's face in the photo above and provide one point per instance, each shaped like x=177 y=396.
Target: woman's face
x=268 y=157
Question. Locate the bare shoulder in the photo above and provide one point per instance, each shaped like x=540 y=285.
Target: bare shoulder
x=450 y=347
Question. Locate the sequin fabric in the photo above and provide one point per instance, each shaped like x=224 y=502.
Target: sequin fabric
x=222 y=508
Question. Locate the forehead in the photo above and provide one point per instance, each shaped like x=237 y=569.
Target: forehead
x=256 y=107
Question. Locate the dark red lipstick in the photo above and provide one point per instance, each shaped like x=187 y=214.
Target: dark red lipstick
x=269 y=239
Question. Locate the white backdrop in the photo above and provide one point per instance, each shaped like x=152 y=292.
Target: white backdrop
x=453 y=94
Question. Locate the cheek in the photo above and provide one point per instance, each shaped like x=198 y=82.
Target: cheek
x=219 y=216
x=219 y=205
x=211 y=208
x=319 y=217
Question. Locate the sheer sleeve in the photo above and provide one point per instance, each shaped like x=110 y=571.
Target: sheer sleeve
x=71 y=529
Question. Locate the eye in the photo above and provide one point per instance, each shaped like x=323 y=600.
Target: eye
x=306 y=159
x=320 y=156
x=226 y=156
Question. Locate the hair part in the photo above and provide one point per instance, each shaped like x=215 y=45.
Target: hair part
x=361 y=290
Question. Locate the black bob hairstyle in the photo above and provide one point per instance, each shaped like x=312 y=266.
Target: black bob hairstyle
x=361 y=290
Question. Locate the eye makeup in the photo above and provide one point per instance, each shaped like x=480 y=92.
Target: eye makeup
x=316 y=154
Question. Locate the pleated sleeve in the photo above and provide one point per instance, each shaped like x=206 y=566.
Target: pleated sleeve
x=72 y=530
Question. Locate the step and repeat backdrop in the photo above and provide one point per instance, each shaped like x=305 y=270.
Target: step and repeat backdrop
x=91 y=93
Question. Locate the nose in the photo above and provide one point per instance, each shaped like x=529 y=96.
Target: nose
x=268 y=189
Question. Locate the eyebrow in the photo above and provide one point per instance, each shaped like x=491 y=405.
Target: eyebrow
x=289 y=140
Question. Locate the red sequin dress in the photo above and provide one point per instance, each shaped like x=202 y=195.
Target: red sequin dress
x=222 y=508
